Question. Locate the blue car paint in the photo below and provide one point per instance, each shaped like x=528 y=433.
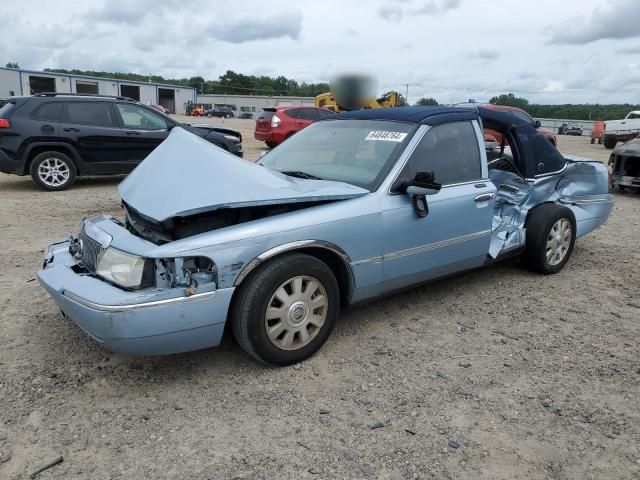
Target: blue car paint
x=383 y=244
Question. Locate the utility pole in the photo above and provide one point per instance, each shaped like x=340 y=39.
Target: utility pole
x=406 y=92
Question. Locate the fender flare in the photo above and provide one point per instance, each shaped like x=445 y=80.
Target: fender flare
x=74 y=154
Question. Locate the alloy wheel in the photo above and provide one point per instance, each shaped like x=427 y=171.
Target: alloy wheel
x=53 y=172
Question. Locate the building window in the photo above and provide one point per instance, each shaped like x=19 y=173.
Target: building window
x=87 y=87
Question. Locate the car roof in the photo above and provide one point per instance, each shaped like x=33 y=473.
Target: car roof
x=418 y=114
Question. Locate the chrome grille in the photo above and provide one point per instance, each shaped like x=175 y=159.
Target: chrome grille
x=90 y=251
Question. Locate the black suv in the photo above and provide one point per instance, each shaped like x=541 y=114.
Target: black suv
x=56 y=137
x=222 y=112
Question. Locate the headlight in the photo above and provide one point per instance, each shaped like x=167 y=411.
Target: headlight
x=121 y=268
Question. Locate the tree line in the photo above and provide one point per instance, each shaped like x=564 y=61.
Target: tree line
x=585 y=111
x=230 y=83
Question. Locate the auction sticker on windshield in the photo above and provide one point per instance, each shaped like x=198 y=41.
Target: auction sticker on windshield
x=386 y=136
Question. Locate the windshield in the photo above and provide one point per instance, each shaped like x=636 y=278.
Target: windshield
x=359 y=152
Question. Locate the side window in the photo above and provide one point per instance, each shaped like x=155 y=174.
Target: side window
x=293 y=113
x=450 y=151
x=309 y=114
x=88 y=113
x=136 y=117
x=50 y=111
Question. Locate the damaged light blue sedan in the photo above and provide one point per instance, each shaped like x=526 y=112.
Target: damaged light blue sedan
x=349 y=209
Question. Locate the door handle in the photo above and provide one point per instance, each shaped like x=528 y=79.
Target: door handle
x=132 y=132
x=46 y=129
x=483 y=197
x=70 y=129
x=480 y=185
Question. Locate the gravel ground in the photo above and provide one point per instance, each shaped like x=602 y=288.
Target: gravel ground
x=497 y=373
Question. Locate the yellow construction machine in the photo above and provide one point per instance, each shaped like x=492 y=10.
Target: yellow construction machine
x=354 y=92
x=328 y=100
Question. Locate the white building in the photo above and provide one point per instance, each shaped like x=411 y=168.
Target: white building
x=251 y=103
x=27 y=82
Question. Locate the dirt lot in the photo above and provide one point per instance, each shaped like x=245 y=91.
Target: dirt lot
x=497 y=373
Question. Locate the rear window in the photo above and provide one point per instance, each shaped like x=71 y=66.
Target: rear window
x=50 y=111
x=6 y=109
x=265 y=115
x=89 y=113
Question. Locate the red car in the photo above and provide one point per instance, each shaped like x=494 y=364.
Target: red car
x=491 y=136
x=275 y=124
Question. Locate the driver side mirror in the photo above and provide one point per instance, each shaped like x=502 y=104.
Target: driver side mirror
x=537 y=124
x=422 y=185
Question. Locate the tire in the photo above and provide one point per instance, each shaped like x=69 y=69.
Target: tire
x=610 y=142
x=227 y=115
x=209 y=115
x=271 y=144
x=282 y=285
x=593 y=140
x=550 y=237
x=53 y=171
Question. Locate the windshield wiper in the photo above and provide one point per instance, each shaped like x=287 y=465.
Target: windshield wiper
x=300 y=174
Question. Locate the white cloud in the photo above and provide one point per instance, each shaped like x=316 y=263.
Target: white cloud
x=619 y=19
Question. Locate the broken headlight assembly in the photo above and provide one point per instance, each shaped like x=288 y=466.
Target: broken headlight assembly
x=125 y=269
x=188 y=272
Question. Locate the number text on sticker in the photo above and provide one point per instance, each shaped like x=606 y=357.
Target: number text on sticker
x=386 y=136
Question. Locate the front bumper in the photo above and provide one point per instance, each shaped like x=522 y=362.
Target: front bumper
x=625 y=181
x=154 y=322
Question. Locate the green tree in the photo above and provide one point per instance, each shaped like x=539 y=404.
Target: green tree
x=510 y=100
x=426 y=101
x=12 y=65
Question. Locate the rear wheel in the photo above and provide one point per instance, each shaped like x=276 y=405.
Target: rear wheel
x=285 y=311
x=610 y=142
x=551 y=235
x=53 y=171
x=271 y=144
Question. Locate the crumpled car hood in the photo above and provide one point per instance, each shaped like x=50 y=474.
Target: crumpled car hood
x=187 y=175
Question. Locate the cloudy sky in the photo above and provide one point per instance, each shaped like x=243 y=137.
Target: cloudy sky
x=549 y=51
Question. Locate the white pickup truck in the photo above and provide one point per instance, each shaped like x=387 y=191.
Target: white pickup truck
x=622 y=130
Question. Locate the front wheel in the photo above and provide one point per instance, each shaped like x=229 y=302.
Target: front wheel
x=285 y=311
x=551 y=235
x=53 y=171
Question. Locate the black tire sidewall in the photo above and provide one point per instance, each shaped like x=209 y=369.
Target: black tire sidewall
x=539 y=225
x=38 y=159
x=267 y=280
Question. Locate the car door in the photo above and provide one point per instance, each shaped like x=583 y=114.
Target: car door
x=456 y=232
x=90 y=127
x=143 y=130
